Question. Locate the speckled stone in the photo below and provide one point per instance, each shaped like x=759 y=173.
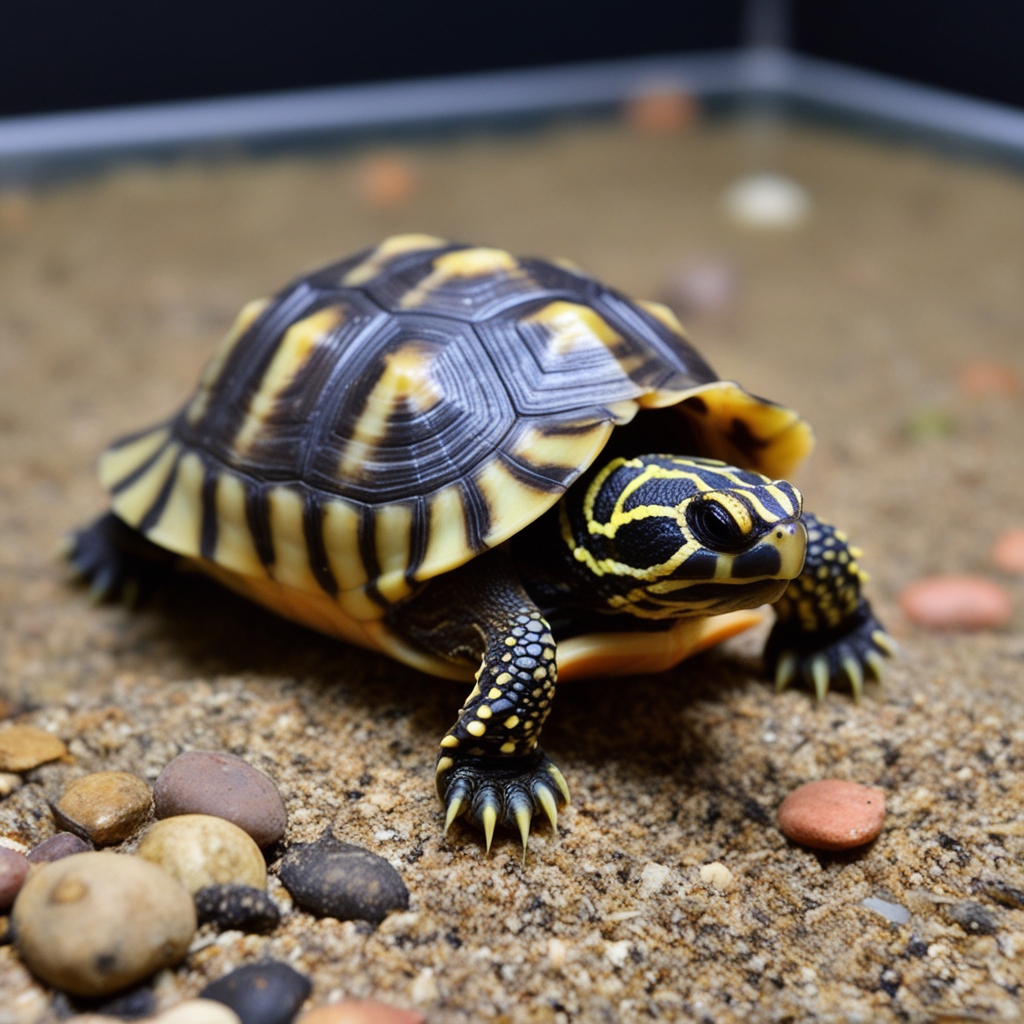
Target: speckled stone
x=63 y=844
x=14 y=868
x=95 y=923
x=360 y=1011
x=198 y=1011
x=265 y=993
x=207 y=782
x=832 y=814
x=237 y=908
x=201 y=850
x=330 y=878
x=24 y=747
x=105 y=807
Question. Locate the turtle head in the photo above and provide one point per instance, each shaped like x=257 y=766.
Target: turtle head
x=666 y=536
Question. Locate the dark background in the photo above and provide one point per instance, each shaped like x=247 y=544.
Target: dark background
x=62 y=56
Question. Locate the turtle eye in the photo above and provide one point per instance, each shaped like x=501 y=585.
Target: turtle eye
x=714 y=526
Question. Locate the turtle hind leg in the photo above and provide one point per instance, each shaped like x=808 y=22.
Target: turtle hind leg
x=115 y=561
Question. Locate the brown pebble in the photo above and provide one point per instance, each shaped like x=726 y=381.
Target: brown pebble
x=956 y=602
x=63 y=844
x=662 y=112
x=1008 y=552
x=201 y=850
x=360 y=1011
x=832 y=814
x=104 y=807
x=385 y=182
x=980 y=379
x=23 y=747
x=13 y=870
x=9 y=783
x=98 y=922
x=210 y=782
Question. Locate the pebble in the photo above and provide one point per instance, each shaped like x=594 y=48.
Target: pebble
x=24 y=747
x=201 y=850
x=1008 y=552
x=58 y=846
x=208 y=782
x=96 y=923
x=718 y=876
x=237 y=908
x=104 y=807
x=134 y=1004
x=386 y=182
x=695 y=289
x=266 y=993
x=832 y=814
x=14 y=868
x=980 y=379
x=198 y=1011
x=956 y=602
x=662 y=111
x=360 y=1011
x=767 y=201
x=330 y=878
x=9 y=783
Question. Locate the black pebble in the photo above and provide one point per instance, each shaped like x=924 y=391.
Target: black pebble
x=135 y=1004
x=63 y=844
x=267 y=993
x=237 y=907
x=330 y=878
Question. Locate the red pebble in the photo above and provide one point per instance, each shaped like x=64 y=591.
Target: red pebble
x=386 y=182
x=1008 y=552
x=832 y=814
x=13 y=870
x=360 y=1011
x=956 y=602
x=979 y=379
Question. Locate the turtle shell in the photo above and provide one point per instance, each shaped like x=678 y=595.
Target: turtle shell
x=383 y=420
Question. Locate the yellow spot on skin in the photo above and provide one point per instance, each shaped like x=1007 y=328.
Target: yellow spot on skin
x=537 y=692
x=504 y=678
x=512 y=721
x=507 y=748
x=540 y=673
x=548 y=654
x=510 y=641
x=494 y=693
x=484 y=712
x=449 y=741
x=476 y=728
x=506 y=657
x=444 y=764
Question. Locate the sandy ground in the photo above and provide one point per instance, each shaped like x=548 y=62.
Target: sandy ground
x=114 y=290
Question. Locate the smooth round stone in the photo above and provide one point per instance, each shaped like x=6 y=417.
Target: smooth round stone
x=266 y=993
x=1008 y=552
x=198 y=1011
x=330 y=878
x=832 y=814
x=237 y=908
x=360 y=1011
x=106 y=807
x=956 y=602
x=14 y=869
x=201 y=850
x=767 y=201
x=206 y=782
x=63 y=844
x=95 y=923
x=24 y=747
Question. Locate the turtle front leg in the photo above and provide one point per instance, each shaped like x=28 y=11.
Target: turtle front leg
x=825 y=629
x=490 y=768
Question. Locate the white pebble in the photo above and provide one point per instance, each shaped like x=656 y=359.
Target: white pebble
x=197 y=1011
x=767 y=201
x=718 y=876
x=653 y=878
x=617 y=953
x=890 y=911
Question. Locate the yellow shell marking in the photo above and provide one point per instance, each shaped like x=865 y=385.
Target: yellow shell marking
x=235 y=549
x=406 y=380
x=135 y=501
x=392 y=524
x=572 y=327
x=291 y=558
x=245 y=319
x=663 y=315
x=569 y=450
x=512 y=504
x=397 y=245
x=341 y=542
x=292 y=354
x=182 y=518
x=447 y=546
x=119 y=462
x=462 y=263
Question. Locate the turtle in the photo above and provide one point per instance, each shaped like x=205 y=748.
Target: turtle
x=493 y=469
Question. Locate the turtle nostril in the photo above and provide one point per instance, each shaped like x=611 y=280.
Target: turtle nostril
x=779 y=535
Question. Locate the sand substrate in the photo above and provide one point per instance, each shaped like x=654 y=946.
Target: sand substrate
x=113 y=291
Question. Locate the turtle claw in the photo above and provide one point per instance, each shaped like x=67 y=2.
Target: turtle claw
x=848 y=653
x=492 y=791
